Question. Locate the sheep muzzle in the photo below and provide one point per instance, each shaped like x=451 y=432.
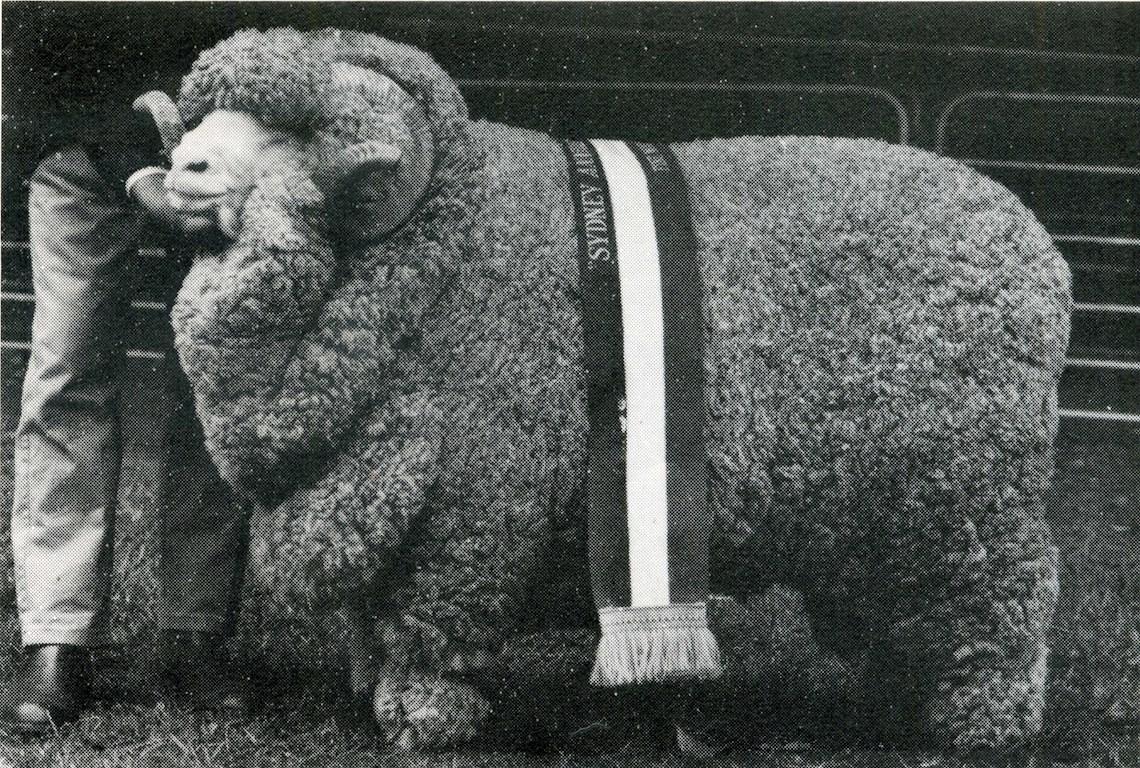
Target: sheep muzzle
x=216 y=165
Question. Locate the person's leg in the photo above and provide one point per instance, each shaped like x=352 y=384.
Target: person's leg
x=204 y=528
x=67 y=445
x=204 y=542
x=67 y=452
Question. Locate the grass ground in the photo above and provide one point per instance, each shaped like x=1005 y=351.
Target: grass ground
x=791 y=715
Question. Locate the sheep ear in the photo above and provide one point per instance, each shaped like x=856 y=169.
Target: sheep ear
x=166 y=117
x=375 y=204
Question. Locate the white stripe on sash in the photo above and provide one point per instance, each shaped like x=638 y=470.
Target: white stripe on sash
x=644 y=345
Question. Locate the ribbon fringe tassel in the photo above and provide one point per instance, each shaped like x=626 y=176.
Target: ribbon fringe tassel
x=655 y=644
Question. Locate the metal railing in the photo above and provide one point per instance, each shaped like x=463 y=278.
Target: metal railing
x=1046 y=167
x=580 y=32
x=27 y=298
x=1066 y=99
x=20 y=250
x=1131 y=419
x=1112 y=242
x=654 y=86
x=1106 y=365
x=1094 y=363
x=133 y=354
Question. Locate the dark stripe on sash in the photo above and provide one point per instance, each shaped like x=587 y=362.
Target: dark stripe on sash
x=682 y=298
x=607 y=523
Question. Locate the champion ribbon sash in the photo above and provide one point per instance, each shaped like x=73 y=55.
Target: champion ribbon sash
x=648 y=514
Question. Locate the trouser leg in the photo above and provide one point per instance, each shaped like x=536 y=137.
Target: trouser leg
x=68 y=449
x=204 y=528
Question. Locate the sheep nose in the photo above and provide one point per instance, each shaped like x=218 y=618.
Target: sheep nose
x=193 y=175
x=189 y=159
x=192 y=155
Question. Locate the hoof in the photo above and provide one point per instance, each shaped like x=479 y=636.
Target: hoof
x=418 y=711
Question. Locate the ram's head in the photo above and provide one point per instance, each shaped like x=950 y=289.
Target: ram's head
x=318 y=153
x=274 y=104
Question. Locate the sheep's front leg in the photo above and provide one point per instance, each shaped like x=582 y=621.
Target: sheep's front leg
x=464 y=590
x=421 y=710
x=335 y=542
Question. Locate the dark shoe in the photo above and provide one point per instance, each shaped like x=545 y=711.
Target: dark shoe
x=198 y=669
x=52 y=686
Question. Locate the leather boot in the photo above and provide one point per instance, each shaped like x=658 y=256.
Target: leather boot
x=52 y=686
x=198 y=669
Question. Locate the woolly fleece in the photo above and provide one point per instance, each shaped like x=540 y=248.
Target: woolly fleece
x=885 y=332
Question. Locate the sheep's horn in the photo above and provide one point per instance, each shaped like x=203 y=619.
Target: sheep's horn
x=165 y=115
x=358 y=159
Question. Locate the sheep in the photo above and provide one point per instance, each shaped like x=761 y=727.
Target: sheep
x=388 y=359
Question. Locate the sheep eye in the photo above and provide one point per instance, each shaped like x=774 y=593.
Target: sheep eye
x=314 y=217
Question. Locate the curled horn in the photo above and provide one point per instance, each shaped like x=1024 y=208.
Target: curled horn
x=165 y=115
x=383 y=208
x=358 y=160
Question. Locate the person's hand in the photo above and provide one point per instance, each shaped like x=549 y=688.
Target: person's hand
x=194 y=218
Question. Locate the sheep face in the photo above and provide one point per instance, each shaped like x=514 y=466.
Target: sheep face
x=259 y=324
x=240 y=319
x=216 y=164
x=340 y=167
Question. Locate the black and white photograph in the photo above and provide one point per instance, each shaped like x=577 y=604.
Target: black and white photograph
x=559 y=384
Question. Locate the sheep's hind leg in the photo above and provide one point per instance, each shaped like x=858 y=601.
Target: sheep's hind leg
x=364 y=653
x=991 y=693
x=974 y=642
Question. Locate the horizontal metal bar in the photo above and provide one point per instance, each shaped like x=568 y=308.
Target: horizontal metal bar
x=1082 y=99
x=22 y=246
x=1074 y=362
x=158 y=306
x=667 y=86
x=642 y=34
x=718 y=86
x=27 y=298
x=1049 y=97
x=1110 y=365
x=1116 y=309
x=1076 y=238
x=1066 y=413
x=137 y=354
x=1115 y=242
x=1110 y=416
x=1032 y=165
x=1101 y=268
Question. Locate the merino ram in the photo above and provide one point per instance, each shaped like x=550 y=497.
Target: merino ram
x=389 y=359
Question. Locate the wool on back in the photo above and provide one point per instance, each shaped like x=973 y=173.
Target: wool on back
x=862 y=300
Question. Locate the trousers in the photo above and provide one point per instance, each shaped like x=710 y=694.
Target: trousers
x=68 y=447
